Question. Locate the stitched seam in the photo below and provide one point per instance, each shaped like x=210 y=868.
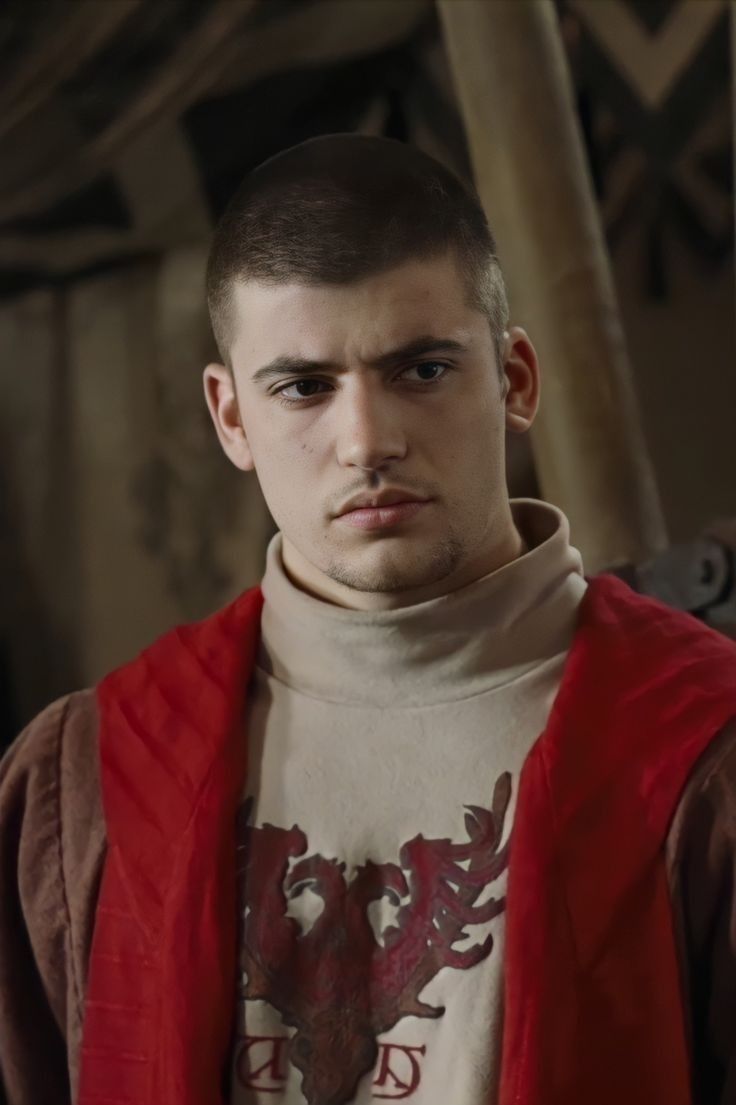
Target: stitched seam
x=59 y=841
x=562 y=874
x=202 y=790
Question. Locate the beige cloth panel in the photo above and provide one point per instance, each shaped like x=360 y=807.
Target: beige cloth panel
x=122 y=515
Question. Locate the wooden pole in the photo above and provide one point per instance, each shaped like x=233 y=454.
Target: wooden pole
x=516 y=98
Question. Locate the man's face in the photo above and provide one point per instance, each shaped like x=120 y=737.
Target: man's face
x=344 y=413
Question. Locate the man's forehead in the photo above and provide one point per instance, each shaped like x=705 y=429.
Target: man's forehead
x=370 y=318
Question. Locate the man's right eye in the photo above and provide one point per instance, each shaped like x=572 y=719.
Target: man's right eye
x=295 y=401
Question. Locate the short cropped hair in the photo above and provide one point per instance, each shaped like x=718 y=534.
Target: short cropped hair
x=336 y=209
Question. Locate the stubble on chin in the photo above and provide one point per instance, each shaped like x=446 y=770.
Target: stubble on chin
x=396 y=574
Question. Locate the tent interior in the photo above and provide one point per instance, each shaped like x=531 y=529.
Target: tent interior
x=125 y=128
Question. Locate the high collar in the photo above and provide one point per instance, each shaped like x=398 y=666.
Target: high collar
x=466 y=642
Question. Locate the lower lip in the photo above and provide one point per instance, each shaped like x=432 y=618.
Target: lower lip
x=382 y=516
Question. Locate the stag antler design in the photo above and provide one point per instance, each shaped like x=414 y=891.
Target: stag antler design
x=336 y=984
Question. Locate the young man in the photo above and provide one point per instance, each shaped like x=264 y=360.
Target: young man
x=426 y=816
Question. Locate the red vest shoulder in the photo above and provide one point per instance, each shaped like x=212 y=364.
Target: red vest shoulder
x=593 y=1002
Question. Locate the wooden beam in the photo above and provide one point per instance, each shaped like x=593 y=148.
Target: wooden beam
x=521 y=122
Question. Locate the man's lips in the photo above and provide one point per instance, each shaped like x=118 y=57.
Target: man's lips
x=381 y=517
x=386 y=496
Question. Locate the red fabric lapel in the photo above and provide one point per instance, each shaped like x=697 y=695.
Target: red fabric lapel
x=173 y=763
x=593 y=1007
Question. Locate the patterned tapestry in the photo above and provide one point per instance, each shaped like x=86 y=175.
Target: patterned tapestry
x=125 y=126
x=653 y=83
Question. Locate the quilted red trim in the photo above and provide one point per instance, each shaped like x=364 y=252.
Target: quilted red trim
x=593 y=1005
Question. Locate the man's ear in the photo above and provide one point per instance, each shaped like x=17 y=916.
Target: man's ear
x=222 y=403
x=521 y=381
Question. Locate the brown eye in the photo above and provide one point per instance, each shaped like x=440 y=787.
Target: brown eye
x=428 y=365
x=294 y=400
x=300 y=384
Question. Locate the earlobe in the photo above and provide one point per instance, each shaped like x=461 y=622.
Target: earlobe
x=222 y=402
x=517 y=422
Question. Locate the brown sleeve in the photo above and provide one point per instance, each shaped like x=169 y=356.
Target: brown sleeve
x=51 y=851
x=701 y=864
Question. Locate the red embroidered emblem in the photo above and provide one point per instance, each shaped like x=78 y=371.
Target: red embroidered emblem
x=338 y=984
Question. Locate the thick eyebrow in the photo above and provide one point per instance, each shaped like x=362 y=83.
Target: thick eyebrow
x=302 y=366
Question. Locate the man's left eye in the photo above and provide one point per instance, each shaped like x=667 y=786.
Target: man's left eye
x=425 y=365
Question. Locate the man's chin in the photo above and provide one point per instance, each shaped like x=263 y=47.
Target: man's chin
x=394 y=575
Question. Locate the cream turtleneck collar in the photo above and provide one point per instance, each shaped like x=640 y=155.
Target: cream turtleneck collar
x=467 y=642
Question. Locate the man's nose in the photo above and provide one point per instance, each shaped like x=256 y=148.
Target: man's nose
x=369 y=426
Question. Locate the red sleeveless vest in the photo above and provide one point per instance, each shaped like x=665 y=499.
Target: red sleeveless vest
x=593 y=1007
